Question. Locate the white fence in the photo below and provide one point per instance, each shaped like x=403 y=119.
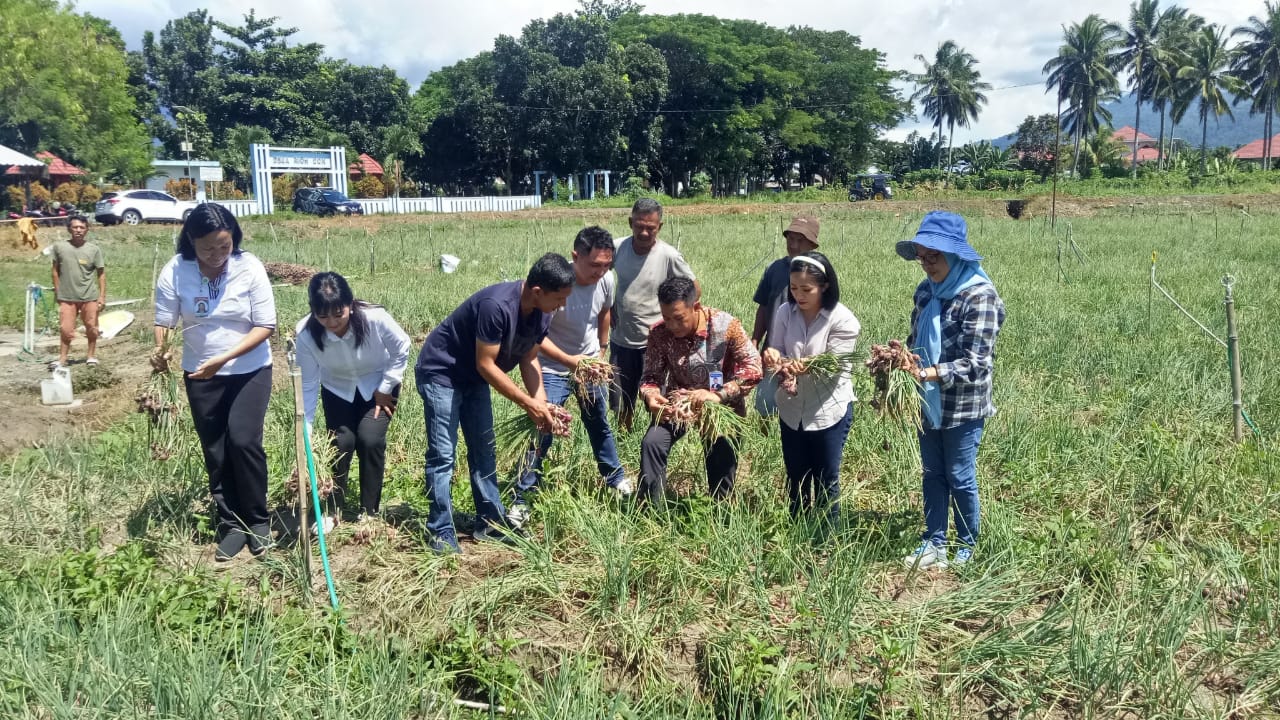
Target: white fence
x=383 y=206
x=396 y=206
x=239 y=208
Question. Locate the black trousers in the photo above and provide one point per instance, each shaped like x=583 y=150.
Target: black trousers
x=229 y=412
x=812 y=459
x=628 y=365
x=355 y=430
x=721 y=461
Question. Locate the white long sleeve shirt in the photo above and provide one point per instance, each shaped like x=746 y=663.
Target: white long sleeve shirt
x=817 y=404
x=342 y=368
x=217 y=314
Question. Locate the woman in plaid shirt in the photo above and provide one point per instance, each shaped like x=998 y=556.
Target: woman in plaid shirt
x=954 y=324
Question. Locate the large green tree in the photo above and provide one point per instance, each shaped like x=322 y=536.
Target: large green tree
x=1084 y=76
x=1256 y=61
x=950 y=89
x=1177 y=29
x=63 y=87
x=1209 y=71
x=1136 y=54
x=359 y=101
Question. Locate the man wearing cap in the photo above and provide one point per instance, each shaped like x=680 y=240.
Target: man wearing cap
x=954 y=324
x=802 y=237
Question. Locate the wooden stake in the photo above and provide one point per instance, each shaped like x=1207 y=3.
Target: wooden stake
x=1233 y=353
x=304 y=477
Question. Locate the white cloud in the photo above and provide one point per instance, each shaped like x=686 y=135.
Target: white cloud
x=1011 y=40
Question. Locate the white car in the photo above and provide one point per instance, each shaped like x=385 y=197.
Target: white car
x=136 y=206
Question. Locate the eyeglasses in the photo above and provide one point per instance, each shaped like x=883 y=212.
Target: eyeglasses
x=929 y=258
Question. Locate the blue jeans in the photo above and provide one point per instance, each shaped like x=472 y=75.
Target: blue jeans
x=813 y=458
x=445 y=409
x=595 y=417
x=950 y=461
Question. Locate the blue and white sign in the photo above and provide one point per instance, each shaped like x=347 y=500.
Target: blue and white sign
x=266 y=161
x=301 y=160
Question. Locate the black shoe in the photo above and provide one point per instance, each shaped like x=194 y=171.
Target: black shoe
x=232 y=542
x=260 y=539
x=505 y=535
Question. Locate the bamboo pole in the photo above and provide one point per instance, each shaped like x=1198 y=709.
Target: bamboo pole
x=300 y=457
x=1233 y=353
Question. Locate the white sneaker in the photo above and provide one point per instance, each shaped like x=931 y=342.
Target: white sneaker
x=625 y=488
x=926 y=556
x=328 y=522
x=518 y=514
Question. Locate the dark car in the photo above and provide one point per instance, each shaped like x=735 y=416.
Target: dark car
x=324 y=201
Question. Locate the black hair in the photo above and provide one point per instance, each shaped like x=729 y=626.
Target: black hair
x=827 y=276
x=646 y=206
x=592 y=238
x=78 y=217
x=678 y=289
x=208 y=218
x=328 y=293
x=552 y=273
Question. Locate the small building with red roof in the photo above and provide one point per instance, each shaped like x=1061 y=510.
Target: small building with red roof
x=1252 y=152
x=59 y=171
x=365 y=165
x=1147 y=151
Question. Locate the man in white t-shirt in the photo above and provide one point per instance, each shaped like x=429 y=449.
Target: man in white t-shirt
x=642 y=263
x=577 y=331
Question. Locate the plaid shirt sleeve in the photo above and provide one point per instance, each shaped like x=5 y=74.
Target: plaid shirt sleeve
x=971 y=322
x=918 y=301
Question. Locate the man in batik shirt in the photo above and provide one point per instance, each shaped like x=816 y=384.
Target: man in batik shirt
x=706 y=354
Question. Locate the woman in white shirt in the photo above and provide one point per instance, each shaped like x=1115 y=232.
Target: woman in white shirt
x=223 y=299
x=814 y=422
x=352 y=355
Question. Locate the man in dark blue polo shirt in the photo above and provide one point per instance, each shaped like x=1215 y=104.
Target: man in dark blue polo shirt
x=486 y=337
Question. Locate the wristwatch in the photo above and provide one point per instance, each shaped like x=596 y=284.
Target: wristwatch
x=724 y=396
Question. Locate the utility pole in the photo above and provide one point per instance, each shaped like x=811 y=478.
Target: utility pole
x=186 y=146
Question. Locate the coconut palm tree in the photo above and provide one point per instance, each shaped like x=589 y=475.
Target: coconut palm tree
x=1084 y=74
x=950 y=89
x=1257 y=63
x=399 y=142
x=1209 y=69
x=1176 y=29
x=1137 y=51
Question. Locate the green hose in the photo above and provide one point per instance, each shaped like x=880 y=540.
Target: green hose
x=315 y=503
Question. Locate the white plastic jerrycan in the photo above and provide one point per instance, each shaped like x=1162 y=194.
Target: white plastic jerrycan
x=57 y=390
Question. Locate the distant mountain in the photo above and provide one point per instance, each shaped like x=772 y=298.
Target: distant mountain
x=1245 y=128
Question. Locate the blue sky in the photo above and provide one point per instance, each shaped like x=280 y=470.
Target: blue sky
x=1011 y=40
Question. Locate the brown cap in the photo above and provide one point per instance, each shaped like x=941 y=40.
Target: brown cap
x=804 y=226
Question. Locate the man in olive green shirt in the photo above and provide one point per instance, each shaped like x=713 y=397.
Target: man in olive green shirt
x=75 y=263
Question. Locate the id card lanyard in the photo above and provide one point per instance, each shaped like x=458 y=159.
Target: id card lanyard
x=715 y=377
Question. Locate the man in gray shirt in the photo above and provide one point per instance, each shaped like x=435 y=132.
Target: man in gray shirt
x=579 y=330
x=642 y=263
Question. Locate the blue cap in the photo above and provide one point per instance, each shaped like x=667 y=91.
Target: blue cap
x=942 y=231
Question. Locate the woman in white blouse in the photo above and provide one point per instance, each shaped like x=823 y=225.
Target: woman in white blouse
x=352 y=355
x=814 y=421
x=223 y=299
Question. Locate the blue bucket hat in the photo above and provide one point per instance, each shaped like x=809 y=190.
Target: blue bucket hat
x=942 y=231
